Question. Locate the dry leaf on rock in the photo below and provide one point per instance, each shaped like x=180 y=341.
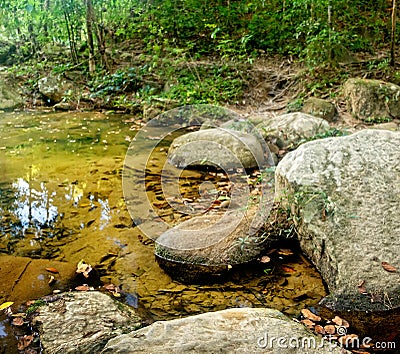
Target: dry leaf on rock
x=361 y=287
x=308 y=314
x=18 y=321
x=319 y=329
x=310 y=324
x=24 y=342
x=388 y=267
x=330 y=329
x=340 y=322
x=348 y=339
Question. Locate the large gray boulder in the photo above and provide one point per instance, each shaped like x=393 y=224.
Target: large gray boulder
x=292 y=128
x=224 y=148
x=345 y=195
x=238 y=330
x=83 y=322
x=372 y=100
x=55 y=88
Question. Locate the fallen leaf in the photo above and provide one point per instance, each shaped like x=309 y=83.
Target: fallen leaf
x=265 y=259
x=83 y=288
x=18 y=321
x=24 y=342
x=330 y=329
x=287 y=269
x=5 y=305
x=311 y=316
x=285 y=252
x=52 y=270
x=310 y=324
x=348 y=339
x=51 y=279
x=109 y=287
x=84 y=268
x=340 y=322
x=361 y=287
x=319 y=329
x=388 y=267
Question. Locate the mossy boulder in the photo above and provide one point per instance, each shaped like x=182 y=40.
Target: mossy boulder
x=223 y=148
x=292 y=128
x=344 y=193
x=319 y=108
x=372 y=101
x=9 y=95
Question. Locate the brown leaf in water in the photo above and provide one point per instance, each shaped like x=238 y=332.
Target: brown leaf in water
x=18 y=321
x=311 y=316
x=83 y=288
x=287 y=269
x=388 y=267
x=24 y=342
x=52 y=270
x=285 y=252
x=330 y=329
x=265 y=259
x=83 y=268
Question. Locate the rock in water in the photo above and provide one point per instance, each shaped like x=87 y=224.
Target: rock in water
x=238 y=330
x=224 y=148
x=83 y=322
x=208 y=245
x=345 y=193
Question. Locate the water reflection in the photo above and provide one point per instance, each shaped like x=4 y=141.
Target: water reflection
x=33 y=207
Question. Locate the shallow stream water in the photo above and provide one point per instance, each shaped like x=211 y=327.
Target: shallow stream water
x=61 y=198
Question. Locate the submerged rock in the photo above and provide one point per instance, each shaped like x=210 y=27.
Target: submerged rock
x=83 y=322
x=224 y=148
x=31 y=279
x=372 y=100
x=238 y=330
x=345 y=193
x=292 y=128
x=209 y=245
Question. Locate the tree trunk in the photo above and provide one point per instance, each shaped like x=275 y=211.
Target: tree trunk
x=393 y=36
x=89 y=28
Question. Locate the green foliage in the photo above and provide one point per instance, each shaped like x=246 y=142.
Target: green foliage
x=234 y=29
